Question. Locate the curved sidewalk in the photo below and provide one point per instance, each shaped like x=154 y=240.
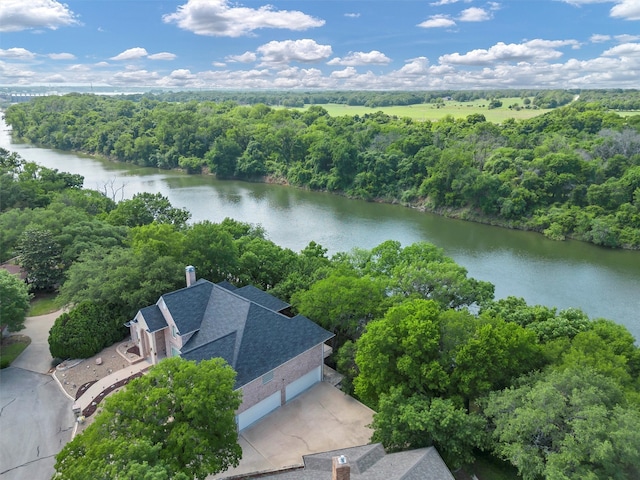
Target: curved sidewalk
x=104 y=383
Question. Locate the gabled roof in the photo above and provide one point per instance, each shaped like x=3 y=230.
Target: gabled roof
x=154 y=318
x=371 y=462
x=241 y=326
x=188 y=305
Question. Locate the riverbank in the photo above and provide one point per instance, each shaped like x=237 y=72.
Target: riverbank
x=602 y=282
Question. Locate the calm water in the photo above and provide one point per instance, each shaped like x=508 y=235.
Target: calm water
x=602 y=282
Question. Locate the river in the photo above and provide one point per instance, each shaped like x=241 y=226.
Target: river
x=602 y=282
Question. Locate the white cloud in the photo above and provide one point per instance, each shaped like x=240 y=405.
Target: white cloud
x=374 y=57
x=346 y=73
x=415 y=66
x=15 y=75
x=246 y=57
x=352 y=15
x=474 y=14
x=225 y=19
x=134 y=77
x=219 y=64
x=17 y=53
x=162 y=56
x=627 y=38
x=131 y=54
x=627 y=10
x=305 y=50
x=533 y=50
x=437 y=21
x=585 y=2
x=624 y=9
x=56 y=78
x=624 y=50
x=446 y=2
x=62 y=56
x=597 y=38
x=17 y=15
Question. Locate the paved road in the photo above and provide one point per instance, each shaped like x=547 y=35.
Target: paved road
x=36 y=420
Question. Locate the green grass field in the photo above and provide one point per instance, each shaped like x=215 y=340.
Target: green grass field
x=430 y=111
x=42 y=304
x=11 y=347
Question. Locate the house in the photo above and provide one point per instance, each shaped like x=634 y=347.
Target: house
x=366 y=462
x=275 y=356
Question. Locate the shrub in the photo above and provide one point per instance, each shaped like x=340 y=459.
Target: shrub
x=84 y=331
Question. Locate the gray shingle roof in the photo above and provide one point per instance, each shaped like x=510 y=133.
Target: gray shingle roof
x=241 y=327
x=188 y=305
x=370 y=462
x=154 y=318
x=262 y=298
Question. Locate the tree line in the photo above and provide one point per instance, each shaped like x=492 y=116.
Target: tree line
x=430 y=349
x=573 y=172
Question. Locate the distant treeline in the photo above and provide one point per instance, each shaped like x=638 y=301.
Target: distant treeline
x=627 y=100
x=573 y=172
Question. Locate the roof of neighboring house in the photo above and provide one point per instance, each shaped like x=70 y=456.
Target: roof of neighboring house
x=15 y=270
x=371 y=462
x=241 y=325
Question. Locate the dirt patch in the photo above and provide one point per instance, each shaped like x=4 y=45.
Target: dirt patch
x=76 y=374
x=11 y=339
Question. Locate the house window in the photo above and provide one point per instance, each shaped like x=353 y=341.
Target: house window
x=267 y=378
x=174 y=331
x=175 y=352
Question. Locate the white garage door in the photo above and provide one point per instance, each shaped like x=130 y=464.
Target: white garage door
x=258 y=411
x=304 y=382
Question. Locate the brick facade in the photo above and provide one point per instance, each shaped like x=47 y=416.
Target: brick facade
x=255 y=391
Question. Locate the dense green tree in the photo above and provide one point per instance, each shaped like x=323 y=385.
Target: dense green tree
x=492 y=357
x=309 y=266
x=210 y=248
x=403 y=423
x=14 y=301
x=342 y=304
x=571 y=424
x=401 y=350
x=178 y=419
x=122 y=278
x=421 y=270
x=40 y=256
x=145 y=208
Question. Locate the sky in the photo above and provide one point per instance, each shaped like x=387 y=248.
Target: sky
x=321 y=44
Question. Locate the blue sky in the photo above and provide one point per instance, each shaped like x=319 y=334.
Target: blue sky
x=326 y=44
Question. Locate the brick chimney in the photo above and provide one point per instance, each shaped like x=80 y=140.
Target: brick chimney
x=190 y=272
x=341 y=469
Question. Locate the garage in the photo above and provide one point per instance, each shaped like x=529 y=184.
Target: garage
x=303 y=383
x=258 y=411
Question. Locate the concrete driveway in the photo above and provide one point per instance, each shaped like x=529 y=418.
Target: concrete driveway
x=36 y=356
x=319 y=420
x=36 y=420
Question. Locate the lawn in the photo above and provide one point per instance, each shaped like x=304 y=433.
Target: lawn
x=11 y=347
x=431 y=111
x=43 y=304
